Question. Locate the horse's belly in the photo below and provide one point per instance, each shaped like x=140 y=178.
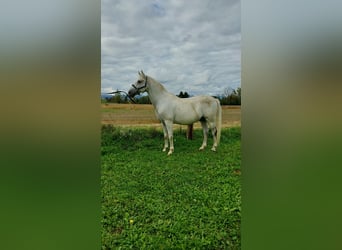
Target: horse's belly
x=185 y=118
x=182 y=113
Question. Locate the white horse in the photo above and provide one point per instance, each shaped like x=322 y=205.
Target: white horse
x=172 y=109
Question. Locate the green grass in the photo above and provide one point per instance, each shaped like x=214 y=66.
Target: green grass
x=189 y=200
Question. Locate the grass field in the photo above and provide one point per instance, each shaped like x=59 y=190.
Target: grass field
x=190 y=200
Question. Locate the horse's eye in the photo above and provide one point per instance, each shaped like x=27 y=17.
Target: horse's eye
x=139 y=81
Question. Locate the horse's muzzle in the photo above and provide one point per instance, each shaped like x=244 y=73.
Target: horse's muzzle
x=132 y=92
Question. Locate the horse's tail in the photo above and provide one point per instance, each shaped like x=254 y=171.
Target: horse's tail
x=218 y=121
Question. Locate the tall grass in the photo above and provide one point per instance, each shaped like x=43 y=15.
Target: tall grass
x=190 y=200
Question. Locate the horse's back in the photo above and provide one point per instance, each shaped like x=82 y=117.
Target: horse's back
x=205 y=102
x=204 y=106
x=201 y=99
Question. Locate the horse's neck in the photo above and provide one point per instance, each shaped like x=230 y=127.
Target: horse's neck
x=156 y=91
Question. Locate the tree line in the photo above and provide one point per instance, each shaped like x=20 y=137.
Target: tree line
x=228 y=97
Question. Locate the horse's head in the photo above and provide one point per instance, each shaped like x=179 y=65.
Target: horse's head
x=139 y=86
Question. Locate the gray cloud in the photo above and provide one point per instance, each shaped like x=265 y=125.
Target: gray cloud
x=191 y=46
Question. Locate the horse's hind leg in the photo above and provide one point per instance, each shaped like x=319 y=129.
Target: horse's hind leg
x=214 y=133
x=166 y=139
x=205 y=134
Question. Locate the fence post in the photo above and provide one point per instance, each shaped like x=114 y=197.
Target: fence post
x=189 y=134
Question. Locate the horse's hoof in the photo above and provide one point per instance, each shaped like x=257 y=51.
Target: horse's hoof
x=213 y=149
x=164 y=149
x=170 y=151
x=201 y=149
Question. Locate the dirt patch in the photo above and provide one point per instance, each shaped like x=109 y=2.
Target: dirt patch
x=142 y=115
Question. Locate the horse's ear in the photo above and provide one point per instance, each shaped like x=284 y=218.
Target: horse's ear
x=142 y=73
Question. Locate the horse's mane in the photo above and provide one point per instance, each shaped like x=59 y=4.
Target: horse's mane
x=156 y=83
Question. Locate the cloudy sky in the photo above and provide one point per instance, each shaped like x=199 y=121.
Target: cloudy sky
x=190 y=45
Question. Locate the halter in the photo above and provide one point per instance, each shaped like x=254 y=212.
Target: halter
x=145 y=85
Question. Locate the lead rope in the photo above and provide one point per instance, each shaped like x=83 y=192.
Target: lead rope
x=120 y=91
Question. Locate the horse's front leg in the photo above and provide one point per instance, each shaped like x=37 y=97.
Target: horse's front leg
x=169 y=128
x=166 y=139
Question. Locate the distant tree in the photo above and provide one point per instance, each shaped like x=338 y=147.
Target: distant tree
x=231 y=97
x=143 y=100
x=183 y=95
x=232 y=100
x=180 y=95
x=118 y=98
x=226 y=92
x=238 y=90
